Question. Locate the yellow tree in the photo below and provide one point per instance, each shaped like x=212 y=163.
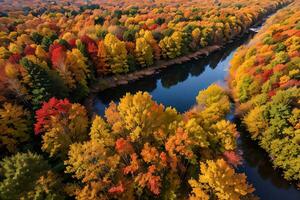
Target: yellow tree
x=171 y=45
x=218 y=178
x=150 y=39
x=143 y=52
x=76 y=64
x=117 y=54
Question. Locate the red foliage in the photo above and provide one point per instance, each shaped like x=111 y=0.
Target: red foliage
x=154 y=185
x=278 y=37
x=290 y=83
x=14 y=58
x=130 y=47
x=294 y=54
x=271 y=93
x=49 y=109
x=123 y=146
x=279 y=67
x=144 y=26
x=57 y=54
x=153 y=27
x=291 y=32
x=29 y=50
x=260 y=60
x=153 y=181
x=134 y=165
x=266 y=74
x=91 y=45
x=275 y=85
x=116 y=189
x=72 y=42
x=233 y=158
x=164 y=159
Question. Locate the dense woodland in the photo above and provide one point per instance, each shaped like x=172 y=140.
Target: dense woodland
x=52 y=147
x=265 y=83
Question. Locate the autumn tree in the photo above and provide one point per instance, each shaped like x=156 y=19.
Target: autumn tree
x=116 y=54
x=15 y=126
x=61 y=124
x=143 y=52
x=217 y=178
x=171 y=45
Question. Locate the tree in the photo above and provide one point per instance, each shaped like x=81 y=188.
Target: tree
x=29 y=176
x=60 y=123
x=102 y=65
x=41 y=83
x=171 y=46
x=15 y=126
x=256 y=122
x=154 y=44
x=116 y=54
x=215 y=97
x=218 y=178
x=143 y=52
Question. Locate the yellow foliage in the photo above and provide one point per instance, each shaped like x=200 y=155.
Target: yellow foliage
x=117 y=53
x=143 y=52
x=40 y=52
x=100 y=132
x=214 y=96
x=11 y=71
x=15 y=126
x=222 y=179
x=4 y=53
x=256 y=121
x=14 y=48
x=171 y=46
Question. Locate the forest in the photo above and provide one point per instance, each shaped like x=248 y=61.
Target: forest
x=53 y=54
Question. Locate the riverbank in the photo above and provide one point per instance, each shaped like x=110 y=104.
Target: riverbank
x=123 y=79
x=108 y=82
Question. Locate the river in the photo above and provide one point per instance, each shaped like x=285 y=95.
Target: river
x=178 y=85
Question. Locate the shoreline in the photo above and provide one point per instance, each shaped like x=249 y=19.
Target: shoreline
x=116 y=80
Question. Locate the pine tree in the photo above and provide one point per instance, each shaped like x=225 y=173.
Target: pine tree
x=41 y=84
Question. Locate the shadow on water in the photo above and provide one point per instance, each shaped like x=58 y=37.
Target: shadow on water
x=177 y=86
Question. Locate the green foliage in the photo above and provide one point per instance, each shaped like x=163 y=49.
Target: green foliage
x=28 y=176
x=41 y=83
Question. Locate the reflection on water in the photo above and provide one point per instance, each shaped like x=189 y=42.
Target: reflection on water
x=268 y=182
x=178 y=86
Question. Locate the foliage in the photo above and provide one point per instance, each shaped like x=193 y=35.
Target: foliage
x=61 y=124
x=219 y=178
x=141 y=146
x=264 y=81
x=15 y=126
x=143 y=52
x=29 y=176
x=116 y=53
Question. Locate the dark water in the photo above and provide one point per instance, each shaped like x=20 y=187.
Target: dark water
x=178 y=86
